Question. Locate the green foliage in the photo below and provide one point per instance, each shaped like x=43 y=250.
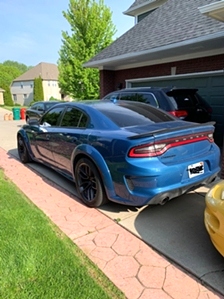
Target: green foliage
x=20 y=66
x=8 y=74
x=7 y=96
x=53 y=99
x=38 y=92
x=10 y=70
x=92 y=30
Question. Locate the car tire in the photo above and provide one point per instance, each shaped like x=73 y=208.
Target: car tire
x=22 y=150
x=89 y=184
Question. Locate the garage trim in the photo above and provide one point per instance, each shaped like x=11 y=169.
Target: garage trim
x=129 y=82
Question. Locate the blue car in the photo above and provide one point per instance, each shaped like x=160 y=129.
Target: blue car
x=122 y=151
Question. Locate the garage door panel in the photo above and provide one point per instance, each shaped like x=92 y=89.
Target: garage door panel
x=217 y=100
x=217 y=82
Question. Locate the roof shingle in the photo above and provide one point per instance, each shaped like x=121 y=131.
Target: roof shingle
x=175 y=21
x=47 y=71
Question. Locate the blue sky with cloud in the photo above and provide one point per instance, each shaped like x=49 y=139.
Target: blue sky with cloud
x=31 y=30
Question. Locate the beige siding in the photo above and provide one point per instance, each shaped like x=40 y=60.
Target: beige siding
x=51 y=89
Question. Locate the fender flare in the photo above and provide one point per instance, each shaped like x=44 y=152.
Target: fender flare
x=23 y=133
x=86 y=150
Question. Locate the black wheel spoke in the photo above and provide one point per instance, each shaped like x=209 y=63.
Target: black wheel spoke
x=88 y=183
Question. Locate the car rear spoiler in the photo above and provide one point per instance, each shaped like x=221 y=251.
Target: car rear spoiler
x=152 y=133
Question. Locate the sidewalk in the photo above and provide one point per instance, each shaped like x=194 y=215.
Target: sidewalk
x=133 y=266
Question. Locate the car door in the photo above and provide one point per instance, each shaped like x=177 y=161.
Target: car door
x=71 y=132
x=42 y=141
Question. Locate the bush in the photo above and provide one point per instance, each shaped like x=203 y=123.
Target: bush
x=7 y=96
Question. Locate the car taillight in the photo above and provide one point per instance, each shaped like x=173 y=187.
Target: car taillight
x=160 y=147
x=179 y=113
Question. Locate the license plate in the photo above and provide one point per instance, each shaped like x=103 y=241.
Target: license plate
x=195 y=169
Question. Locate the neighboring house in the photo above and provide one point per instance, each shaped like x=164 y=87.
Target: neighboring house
x=22 y=87
x=173 y=43
x=1 y=96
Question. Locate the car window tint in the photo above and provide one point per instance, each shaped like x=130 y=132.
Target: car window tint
x=49 y=105
x=129 y=114
x=129 y=96
x=34 y=107
x=139 y=97
x=184 y=100
x=148 y=98
x=112 y=96
x=40 y=107
x=74 y=118
x=51 y=117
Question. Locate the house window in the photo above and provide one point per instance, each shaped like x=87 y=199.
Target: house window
x=142 y=16
x=49 y=83
x=25 y=96
x=14 y=98
x=21 y=84
x=31 y=85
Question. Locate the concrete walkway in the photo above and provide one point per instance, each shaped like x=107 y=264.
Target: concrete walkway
x=134 y=267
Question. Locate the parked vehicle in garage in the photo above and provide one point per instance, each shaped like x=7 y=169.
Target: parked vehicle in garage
x=184 y=103
x=214 y=215
x=127 y=152
x=36 y=110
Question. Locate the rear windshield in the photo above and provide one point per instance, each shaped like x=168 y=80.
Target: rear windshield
x=127 y=114
x=182 y=99
x=50 y=104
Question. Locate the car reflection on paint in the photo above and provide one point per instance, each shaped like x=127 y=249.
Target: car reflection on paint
x=126 y=152
x=214 y=215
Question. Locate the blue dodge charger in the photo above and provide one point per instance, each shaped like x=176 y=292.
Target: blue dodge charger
x=126 y=152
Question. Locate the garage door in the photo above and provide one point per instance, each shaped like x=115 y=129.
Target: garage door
x=211 y=88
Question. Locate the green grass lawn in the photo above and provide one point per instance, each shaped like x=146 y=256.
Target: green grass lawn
x=37 y=261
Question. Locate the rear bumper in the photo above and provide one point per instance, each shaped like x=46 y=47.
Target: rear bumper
x=166 y=196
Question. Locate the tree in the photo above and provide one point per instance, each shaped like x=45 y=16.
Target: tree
x=38 y=92
x=7 y=96
x=91 y=31
x=8 y=74
x=20 y=66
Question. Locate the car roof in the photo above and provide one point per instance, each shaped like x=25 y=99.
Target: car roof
x=147 y=89
x=103 y=104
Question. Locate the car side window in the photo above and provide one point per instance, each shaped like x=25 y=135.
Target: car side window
x=112 y=96
x=34 y=107
x=149 y=99
x=74 y=117
x=51 y=118
x=126 y=96
x=40 y=107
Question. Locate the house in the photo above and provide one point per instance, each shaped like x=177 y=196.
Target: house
x=1 y=96
x=173 y=43
x=22 y=87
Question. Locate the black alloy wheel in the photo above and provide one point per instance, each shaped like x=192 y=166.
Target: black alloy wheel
x=89 y=184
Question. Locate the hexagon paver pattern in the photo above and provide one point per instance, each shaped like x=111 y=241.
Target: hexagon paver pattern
x=134 y=267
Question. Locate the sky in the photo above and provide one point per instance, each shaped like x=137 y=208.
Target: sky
x=31 y=30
